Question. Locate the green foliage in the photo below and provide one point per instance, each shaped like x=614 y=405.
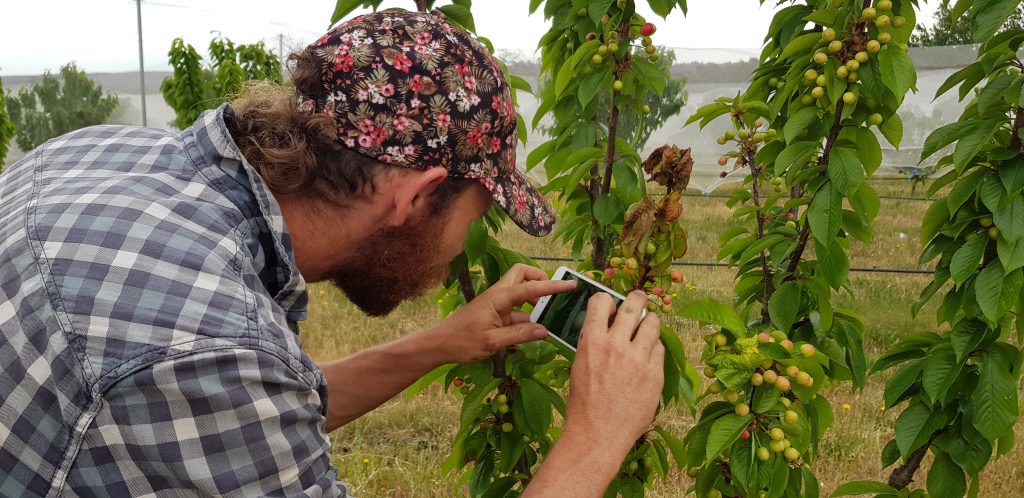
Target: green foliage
x=949 y=30
x=961 y=387
x=54 y=106
x=804 y=185
x=6 y=128
x=195 y=87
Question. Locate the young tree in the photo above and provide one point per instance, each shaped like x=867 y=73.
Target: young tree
x=830 y=72
x=54 y=106
x=194 y=88
x=6 y=128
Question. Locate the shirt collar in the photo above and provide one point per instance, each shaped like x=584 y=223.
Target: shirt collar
x=225 y=166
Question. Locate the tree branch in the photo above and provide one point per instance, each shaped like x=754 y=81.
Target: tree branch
x=902 y=476
x=766 y=276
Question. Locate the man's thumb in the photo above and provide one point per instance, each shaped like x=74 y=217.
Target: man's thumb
x=519 y=333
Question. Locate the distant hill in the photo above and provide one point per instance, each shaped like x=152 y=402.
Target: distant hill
x=114 y=82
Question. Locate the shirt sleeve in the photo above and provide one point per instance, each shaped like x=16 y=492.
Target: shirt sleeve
x=229 y=422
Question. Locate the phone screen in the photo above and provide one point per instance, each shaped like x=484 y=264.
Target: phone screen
x=565 y=313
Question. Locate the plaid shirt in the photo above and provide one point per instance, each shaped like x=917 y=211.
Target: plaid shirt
x=147 y=299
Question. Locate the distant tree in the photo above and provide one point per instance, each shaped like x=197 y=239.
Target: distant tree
x=54 y=106
x=195 y=87
x=947 y=31
x=6 y=128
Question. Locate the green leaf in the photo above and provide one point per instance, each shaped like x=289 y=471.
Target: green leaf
x=795 y=155
x=845 y=171
x=965 y=337
x=459 y=15
x=992 y=192
x=825 y=213
x=592 y=83
x=914 y=426
x=869 y=150
x=976 y=137
x=942 y=137
x=725 y=431
x=714 y=312
x=598 y=8
x=934 y=218
x=854 y=488
x=800 y=44
x=1010 y=220
x=902 y=381
x=608 y=209
x=988 y=289
x=892 y=130
x=1011 y=254
x=784 y=305
x=941 y=368
x=426 y=380
x=650 y=74
x=898 y=72
x=345 y=7
x=995 y=397
x=965 y=260
x=536 y=406
x=675 y=446
x=945 y=478
x=799 y=122
x=992 y=94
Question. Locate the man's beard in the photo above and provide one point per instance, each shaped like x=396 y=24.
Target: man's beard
x=392 y=265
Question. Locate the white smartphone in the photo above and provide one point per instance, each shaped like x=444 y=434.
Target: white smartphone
x=563 y=314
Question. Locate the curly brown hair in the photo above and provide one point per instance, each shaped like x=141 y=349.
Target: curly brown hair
x=299 y=153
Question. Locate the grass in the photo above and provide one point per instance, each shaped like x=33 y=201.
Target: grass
x=396 y=451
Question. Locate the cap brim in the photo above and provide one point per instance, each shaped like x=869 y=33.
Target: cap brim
x=523 y=203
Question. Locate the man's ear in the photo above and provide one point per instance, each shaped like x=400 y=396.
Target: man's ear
x=412 y=190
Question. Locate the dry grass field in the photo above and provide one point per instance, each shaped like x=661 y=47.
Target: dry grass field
x=396 y=451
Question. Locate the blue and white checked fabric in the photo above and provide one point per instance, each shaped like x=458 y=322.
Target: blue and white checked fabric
x=147 y=299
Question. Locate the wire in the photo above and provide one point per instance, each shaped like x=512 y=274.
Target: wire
x=908 y=271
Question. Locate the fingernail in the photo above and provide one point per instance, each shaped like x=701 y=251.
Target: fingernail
x=540 y=333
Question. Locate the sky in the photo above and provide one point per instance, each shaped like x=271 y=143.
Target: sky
x=102 y=36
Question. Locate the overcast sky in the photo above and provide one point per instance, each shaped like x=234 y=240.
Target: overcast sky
x=101 y=35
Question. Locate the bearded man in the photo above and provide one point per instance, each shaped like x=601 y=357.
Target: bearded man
x=151 y=282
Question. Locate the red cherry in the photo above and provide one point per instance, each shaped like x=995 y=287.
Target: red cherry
x=457 y=382
x=648 y=29
x=746 y=434
x=658 y=291
x=609 y=272
x=667 y=299
x=677 y=276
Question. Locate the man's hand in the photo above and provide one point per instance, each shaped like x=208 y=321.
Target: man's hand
x=490 y=323
x=614 y=388
x=617 y=376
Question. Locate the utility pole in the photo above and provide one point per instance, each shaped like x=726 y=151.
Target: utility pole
x=142 y=68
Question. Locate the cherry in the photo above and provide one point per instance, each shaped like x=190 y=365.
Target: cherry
x=763 y=454
x=808 y=350
x=756 y=379
x=821 y=57
x=746 y=432
x=782 y=384
x=617 y=85
x=743 y=410
x=722 y=161
x=648 y=29
x=835 y=47
x=667 y=299
x=677 y=276
x=875 y=119
x=828 y=35
x=791 y=417
x=792 y=454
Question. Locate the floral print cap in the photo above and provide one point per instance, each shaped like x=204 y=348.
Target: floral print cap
x=411 y=90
